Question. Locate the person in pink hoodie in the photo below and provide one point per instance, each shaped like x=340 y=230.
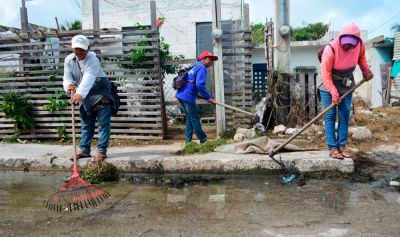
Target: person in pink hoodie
x=339 y=59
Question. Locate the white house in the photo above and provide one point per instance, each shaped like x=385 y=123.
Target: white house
x=182 y=26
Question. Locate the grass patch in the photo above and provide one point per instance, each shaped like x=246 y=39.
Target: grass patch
x=13 y=138
x=100 y=172
x=207 y=147
x=229 y=133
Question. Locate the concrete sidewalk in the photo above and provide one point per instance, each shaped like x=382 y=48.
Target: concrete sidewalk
x=161 y=159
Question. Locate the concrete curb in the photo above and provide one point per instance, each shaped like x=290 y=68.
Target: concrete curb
x=160 y=159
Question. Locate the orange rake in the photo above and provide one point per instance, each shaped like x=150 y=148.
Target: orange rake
x=77 y=194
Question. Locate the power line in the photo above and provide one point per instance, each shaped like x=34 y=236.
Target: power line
x=398 y=13
x=165 y=19
x=76 y=2
x=123 y=5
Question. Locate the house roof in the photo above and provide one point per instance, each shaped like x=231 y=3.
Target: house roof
x=381 y=42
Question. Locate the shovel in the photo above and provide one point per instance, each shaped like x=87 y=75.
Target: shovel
x=276 y=150
x=255 y=117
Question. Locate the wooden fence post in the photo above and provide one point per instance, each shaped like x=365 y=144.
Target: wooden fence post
x=218 y=68
x=153 y=15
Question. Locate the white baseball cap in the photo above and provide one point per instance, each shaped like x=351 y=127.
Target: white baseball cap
x=80 y=41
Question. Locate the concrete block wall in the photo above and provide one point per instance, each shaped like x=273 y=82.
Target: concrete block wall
x=179 y=28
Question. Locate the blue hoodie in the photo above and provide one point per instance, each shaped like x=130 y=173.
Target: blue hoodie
x=197 y=84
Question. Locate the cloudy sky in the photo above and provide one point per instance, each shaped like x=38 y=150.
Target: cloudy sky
x=376 y=16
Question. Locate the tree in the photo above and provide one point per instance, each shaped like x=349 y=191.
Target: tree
x=257 y=33
x=74 y=25
x=309 y=32
x=396 y=28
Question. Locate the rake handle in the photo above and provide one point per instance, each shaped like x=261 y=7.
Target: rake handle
x=234 y=108
x=273 y=152
x=76 y=174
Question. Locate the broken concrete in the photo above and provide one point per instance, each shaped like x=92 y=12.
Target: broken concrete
x=360 y=133
x=244 y=134
x=291 y=131
x=161 y=159
x=280 y=129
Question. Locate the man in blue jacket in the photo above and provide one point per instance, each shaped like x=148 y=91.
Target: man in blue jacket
x=187 y=95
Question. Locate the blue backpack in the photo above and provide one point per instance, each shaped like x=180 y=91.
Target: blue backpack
x=182 y=78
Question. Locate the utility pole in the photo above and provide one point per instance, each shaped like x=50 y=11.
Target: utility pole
x=282 y=35
x=96 y=14
x=24 y=17
x=218 y=66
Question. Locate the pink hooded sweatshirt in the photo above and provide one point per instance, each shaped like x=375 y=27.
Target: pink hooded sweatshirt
x=340 y=59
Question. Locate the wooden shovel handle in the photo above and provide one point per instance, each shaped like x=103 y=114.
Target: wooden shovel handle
x=234 y=108
x=74 y=135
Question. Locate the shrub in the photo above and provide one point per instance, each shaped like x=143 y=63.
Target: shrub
x=19 y=110
x=58 y=102
x=62 y=134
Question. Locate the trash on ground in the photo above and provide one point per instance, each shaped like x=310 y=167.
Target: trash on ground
x=244 y=134
x=280 y=129
x=216 y=198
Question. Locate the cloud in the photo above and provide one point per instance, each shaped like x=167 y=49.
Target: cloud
x=9 y=13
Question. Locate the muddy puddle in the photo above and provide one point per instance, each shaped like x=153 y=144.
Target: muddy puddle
x=244 y=206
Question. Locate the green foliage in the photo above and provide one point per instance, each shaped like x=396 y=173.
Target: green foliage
x=139 y=55
x=62 y=134
x=309 y=32
x=13 y=138
x=100 y=172
x=58 y=102
x=53 y=77
x=207 y=147
x=43 y=88
x=74 y=25
x=19 y=110
x=396 y=27
x=228 y=134
x=257 y=33
x=6 y=74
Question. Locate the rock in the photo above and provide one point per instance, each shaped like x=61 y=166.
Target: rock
x=291 y=131
x=360 y=133
x=314 y=130
x=280 y=129
x=244 y=134
x=364 y=111
x=385 y=138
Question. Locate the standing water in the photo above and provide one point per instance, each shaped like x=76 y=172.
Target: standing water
x=252 y=206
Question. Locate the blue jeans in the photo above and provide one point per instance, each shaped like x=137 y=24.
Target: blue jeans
x=192 y=122
x=88 y=122
x=343 y=109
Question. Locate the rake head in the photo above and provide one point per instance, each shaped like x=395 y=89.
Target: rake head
x=76 y=195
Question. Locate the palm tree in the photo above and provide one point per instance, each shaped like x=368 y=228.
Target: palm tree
x=74 y=25
x=396 y=28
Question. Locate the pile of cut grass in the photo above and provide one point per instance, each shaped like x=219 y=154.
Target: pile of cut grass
x=100 y=172
x=192 y=148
